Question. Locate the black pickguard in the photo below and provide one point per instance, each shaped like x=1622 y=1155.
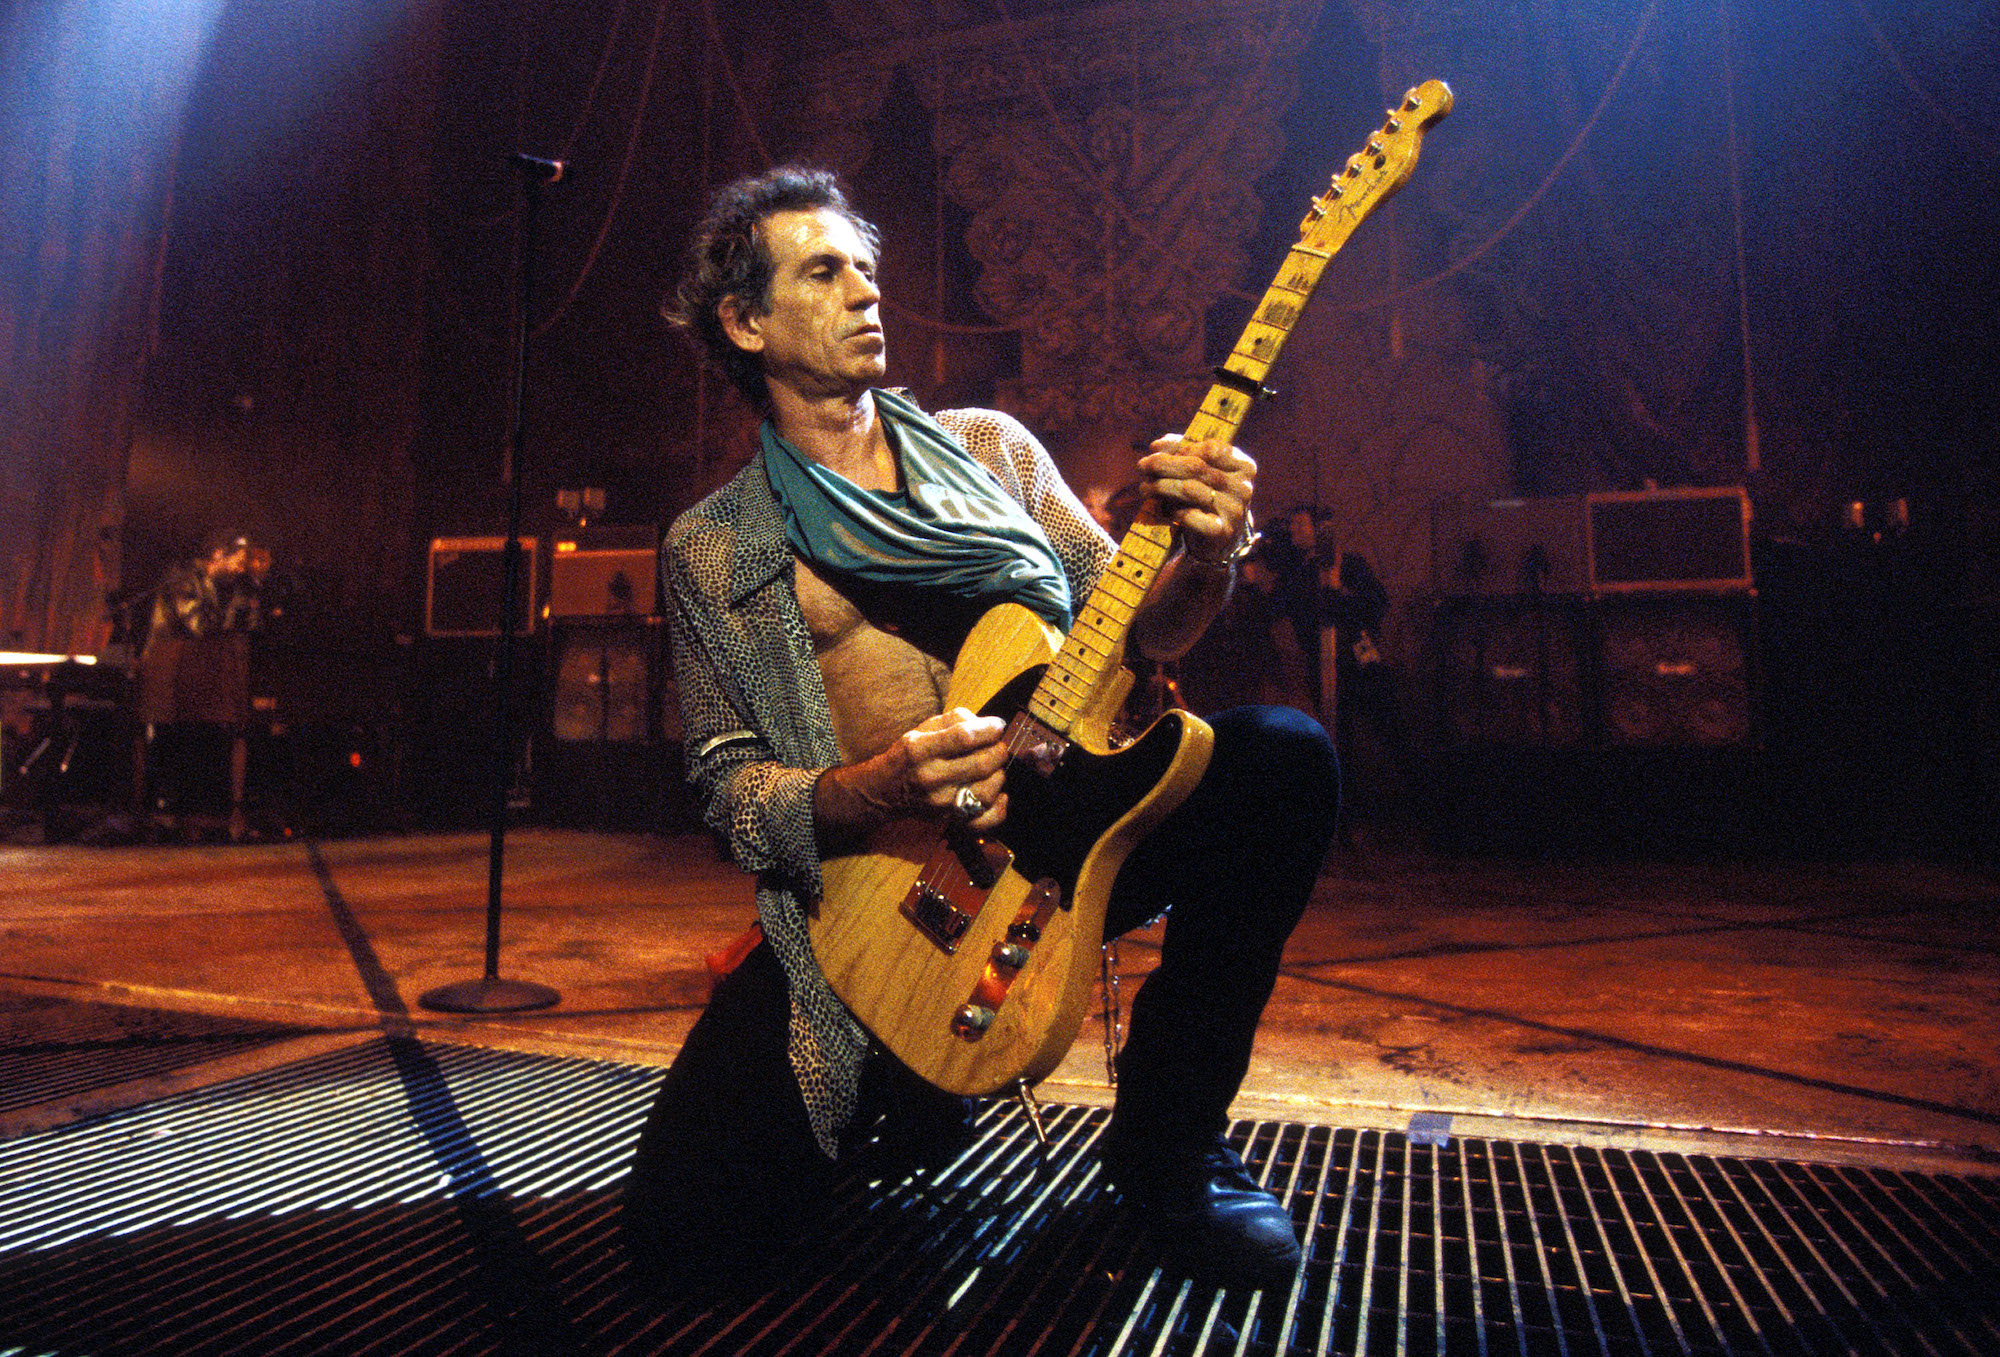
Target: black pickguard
x=1053 y=822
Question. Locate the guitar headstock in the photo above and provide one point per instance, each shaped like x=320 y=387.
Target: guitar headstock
x=1374 y=173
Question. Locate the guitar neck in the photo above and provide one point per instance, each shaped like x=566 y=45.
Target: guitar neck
x=1095 y=648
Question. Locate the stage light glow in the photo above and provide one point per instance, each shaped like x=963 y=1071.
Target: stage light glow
x=127 y=65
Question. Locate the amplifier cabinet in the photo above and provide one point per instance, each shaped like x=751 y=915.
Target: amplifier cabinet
x=1510 y=546
x=585 y=583
x=462 y=588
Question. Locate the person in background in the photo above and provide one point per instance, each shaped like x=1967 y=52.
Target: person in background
x=195 y=676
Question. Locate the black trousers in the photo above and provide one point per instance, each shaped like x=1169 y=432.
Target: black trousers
x=727 y=1172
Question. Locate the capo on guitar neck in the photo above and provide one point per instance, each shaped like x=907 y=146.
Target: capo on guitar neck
x=1249 y=386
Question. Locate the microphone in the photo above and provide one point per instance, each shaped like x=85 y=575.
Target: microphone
x=536 y=169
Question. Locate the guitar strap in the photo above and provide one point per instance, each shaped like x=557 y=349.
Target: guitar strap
x=951 y=527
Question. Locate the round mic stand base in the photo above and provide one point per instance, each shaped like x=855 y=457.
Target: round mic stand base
x=490 y=995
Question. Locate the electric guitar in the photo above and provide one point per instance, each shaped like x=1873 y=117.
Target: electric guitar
x=973 y=958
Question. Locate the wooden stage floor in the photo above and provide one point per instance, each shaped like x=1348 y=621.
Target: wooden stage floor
x=1843 y=1010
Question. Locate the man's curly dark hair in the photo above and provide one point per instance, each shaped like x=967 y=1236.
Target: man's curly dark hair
x=728 y=257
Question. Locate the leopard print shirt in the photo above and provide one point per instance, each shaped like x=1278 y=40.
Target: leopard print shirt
x=757 y=725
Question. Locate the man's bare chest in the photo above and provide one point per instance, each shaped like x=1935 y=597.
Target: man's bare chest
x=878 y=684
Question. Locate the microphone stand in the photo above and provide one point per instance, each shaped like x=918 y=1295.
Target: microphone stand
x=489 y=993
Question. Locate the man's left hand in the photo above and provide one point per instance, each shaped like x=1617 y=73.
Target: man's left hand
x=1204 y=489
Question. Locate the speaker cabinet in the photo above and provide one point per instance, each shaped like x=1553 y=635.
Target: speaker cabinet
x=606 y=682
x=1677 y=671
x=1514 y=670
x=449 y=700
x=610 y=758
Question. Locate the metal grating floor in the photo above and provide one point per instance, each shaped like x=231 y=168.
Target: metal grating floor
x=397 y=1197
x=51 y=1049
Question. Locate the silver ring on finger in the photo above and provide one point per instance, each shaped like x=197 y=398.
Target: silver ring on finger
x=969 y=804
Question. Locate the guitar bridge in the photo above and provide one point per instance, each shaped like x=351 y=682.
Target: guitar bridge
x=932 y=911
x=949 y=893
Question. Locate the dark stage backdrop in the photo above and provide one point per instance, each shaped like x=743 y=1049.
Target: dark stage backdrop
x=85 y=188
x=259 y=261
x=217 y=226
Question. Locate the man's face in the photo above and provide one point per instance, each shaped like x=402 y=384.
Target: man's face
x=823 y=333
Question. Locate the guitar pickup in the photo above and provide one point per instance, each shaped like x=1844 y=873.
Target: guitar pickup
x=951 y=890
x=949 y=893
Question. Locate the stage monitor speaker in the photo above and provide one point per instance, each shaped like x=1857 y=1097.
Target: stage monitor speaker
x=1509 y=546
x=588 y=578
x=606 y=677
x=1657 y=540
x=1514 y=671
x=1677 y=671
x=462 y=593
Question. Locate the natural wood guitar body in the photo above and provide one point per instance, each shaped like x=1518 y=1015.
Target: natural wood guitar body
x=1074 y=826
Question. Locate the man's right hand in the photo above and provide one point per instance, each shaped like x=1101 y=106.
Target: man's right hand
x=921 y=773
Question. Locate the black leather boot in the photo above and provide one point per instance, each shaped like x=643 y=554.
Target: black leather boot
x=1204 y=1213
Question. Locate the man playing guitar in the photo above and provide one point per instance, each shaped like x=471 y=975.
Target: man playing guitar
x=819 y=601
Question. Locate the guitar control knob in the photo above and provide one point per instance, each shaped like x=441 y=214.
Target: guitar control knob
x=972 y=1020
x=1012 y=955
